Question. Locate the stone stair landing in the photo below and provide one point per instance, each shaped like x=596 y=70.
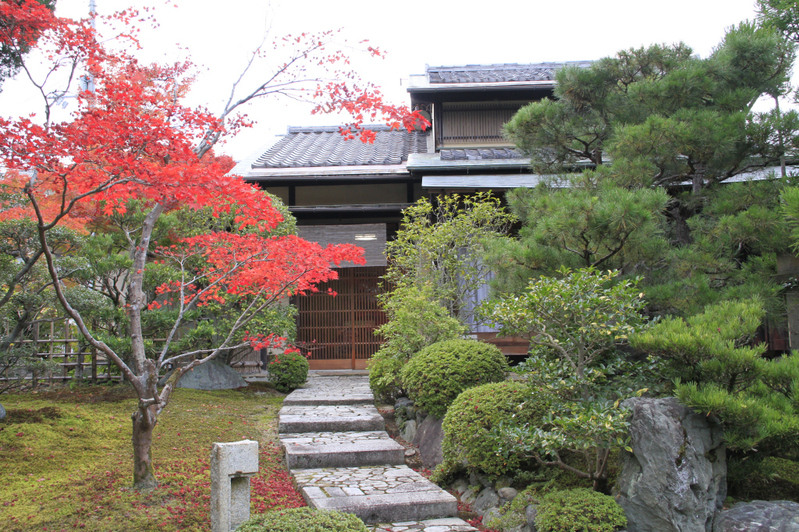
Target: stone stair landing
x=341 y=458
x=341 y=449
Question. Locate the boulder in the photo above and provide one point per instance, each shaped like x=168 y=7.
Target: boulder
x=478 y=479
x=403 y=409
x=675 y=480
x=408 y=431
x=212 y=375
x=429 y=436
x=486 y=500
x=759 y=516
x=530 y=511
x=469 y=496
x=507 y=494
x=460 y=486
x=2 y=413
x=491 y=514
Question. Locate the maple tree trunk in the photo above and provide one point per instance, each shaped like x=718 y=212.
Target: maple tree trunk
x=143 y=424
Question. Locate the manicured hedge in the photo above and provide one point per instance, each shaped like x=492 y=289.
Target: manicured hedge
x=435 y=376
x=303 y=520
x=475 y=413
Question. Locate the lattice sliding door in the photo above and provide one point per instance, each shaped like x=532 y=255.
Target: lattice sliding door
x=339 y=330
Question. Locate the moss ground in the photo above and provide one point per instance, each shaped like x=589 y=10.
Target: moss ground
x=66 y=459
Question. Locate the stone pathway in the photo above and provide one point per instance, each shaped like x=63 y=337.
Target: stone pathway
x=341 y=458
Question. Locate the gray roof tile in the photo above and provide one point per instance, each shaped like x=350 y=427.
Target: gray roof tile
x=497 y=73
x=325 y=146
x=482 y=154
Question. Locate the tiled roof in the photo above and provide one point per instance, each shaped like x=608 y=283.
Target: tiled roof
x=497 y=73
x=325 y=146
x=482 y=154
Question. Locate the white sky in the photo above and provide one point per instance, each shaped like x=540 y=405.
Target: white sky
x=220 y=35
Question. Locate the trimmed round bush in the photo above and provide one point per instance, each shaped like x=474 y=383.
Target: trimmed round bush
x=288 y=371
x=303 y=520
x=436 y=375
x=579 y=510
x=475 y=413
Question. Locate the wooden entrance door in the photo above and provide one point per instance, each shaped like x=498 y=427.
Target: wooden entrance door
x=339 y=330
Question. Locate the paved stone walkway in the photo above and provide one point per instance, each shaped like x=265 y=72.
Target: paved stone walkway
x=342 y=459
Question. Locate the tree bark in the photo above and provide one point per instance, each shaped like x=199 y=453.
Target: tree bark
x=144 y=421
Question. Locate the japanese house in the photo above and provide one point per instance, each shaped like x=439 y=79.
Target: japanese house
x=347 y=191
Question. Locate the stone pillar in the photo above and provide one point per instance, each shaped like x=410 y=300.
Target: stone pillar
x=232 y=465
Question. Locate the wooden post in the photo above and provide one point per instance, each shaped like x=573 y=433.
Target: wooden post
x=94 y=365
x=35 y=334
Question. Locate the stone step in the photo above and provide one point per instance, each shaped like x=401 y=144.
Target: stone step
x=446 y=524
x=332 y=390
x=329 y=418
x=341 y=449
x=381 y=494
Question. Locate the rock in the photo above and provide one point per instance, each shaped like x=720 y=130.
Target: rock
x=477 y=479
x=469 y=496
x=401 y=409
x=409 y=452
x=2 y=413
x=675 y=480
x=491 y=514
x=408 y=431
x=759 y=516
x=460 y=486
x=402 y=402
x=529 y=513
x=212 y=375
x=428 y=438
x=420 y=416
x=507 y=494
x=487 y=498
x=520 y=528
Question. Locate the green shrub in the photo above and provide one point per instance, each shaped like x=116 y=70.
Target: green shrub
x=303 y=520
x=579 y=510
x=475 y=413
x=288 y=371
x=384 y=375
x=514 y=515
x=415 y=320
x=440 y=372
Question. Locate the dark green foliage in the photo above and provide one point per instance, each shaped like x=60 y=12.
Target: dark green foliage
x=769 y=479
x=719 y=372
x=415 y=320
x=587 y=224
x=659 y=117
x=473 y=416
x=303 y=520
x=782 y=15
x=439 y=373
x=288 y=371
x=664 y=115
x=579 y=510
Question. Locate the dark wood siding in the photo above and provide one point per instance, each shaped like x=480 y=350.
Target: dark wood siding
x=339 y=330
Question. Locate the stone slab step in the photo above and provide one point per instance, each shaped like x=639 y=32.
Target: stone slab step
x=341 y=449
x=329 y=418
x=380 y=494
x=447 y=524
x=334 y=390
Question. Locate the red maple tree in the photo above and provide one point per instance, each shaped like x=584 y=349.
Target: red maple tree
x=132 y=139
